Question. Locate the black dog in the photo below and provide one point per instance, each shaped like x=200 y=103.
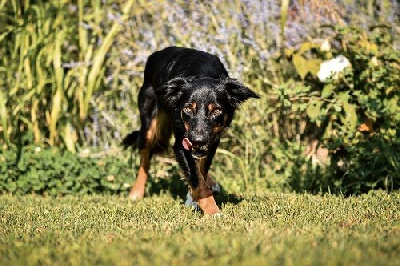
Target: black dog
x=188 y=93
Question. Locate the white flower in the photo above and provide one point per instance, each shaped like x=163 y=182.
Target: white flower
x=331 y=67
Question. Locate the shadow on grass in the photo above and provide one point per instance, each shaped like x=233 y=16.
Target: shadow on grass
x=224 y=197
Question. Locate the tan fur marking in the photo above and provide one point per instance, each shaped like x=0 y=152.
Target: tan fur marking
x=208 y=205
x=152 y=132
x=137 y=191
x=200 y=167
x=217 y=129
x=158 y=123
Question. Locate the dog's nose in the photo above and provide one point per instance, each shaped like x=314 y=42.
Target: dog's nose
x=198 y=140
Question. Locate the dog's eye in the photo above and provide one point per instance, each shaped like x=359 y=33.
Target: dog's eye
x=216 y=111
x=187 y=109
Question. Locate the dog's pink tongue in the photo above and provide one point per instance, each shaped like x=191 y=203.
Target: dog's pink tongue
x=187 y=144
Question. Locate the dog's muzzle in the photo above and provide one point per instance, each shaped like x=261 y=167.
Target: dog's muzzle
x=199 y=151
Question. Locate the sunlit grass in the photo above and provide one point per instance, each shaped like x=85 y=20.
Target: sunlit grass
x=267 y=228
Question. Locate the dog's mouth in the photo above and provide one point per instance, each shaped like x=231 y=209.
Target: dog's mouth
x=198 y=151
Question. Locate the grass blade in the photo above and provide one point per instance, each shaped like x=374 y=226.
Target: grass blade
x=284 y=14
x=3 y=116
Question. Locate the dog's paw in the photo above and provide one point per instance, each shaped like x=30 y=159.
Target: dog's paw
x=191 y=203
x=217 y=215
x=216 y=189
x=135 y=196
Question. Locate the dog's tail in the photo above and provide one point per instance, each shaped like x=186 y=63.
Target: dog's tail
x=131 y=140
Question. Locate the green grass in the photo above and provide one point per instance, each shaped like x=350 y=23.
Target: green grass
x=266 y=229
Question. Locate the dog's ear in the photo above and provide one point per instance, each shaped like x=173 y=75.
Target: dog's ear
x=171 y=91
x=237 y=92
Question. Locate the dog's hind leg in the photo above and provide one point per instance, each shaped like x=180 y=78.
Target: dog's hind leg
x=146 y=137
x=137 y=191
x=153 y=136
x=146 y=152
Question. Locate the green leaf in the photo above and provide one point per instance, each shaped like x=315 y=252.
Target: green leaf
x=3 y=115
x=327 y=91
x=304 y=66
x=307 y=46
x=300 y=64
x=314 y=110
x=344 y=97
x=350 y=115
x=313 y=66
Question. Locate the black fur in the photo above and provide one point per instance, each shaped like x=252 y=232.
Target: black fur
x=192 y=88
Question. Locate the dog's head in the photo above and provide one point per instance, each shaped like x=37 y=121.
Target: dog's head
x=203 y=107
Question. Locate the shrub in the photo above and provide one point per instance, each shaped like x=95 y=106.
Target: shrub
x=53 y=171
x=355 y=113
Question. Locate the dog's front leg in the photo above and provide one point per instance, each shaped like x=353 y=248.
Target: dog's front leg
x=196 y=175
x=204 y=197
x=203 y=193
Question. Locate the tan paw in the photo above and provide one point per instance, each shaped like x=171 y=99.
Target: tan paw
x=208 y=206
x=135 y=195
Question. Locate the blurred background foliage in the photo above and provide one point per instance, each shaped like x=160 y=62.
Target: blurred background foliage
x=70 y=73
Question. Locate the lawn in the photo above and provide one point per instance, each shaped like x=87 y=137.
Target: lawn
x=270 y=228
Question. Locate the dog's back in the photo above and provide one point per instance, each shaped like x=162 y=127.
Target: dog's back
x=174 y=62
